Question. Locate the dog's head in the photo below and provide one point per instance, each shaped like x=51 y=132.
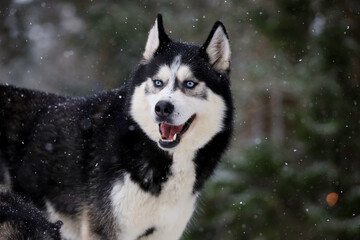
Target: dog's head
x=181 y=90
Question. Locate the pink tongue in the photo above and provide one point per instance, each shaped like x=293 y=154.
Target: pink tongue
x=168 y=131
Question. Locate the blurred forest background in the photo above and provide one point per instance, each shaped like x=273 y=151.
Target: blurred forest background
x=295 y=78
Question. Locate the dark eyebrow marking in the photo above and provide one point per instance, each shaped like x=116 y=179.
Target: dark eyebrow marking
x=148 y=232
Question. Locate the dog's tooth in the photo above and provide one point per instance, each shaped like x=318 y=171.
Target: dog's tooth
x=174 y=137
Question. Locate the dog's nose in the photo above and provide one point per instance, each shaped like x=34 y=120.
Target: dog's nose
x=164 y=108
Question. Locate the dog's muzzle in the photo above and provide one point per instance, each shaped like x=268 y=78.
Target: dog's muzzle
x=170 y=134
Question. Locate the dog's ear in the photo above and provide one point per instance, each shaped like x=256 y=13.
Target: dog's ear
x=156 y=40
x=216 y=48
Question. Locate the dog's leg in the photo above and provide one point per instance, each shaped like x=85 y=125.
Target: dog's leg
x=5 y=182
x=21 y=218
x=85 y=226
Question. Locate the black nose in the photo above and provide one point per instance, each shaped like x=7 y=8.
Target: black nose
x=164 y=108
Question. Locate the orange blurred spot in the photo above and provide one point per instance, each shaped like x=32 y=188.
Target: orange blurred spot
x=332 y=199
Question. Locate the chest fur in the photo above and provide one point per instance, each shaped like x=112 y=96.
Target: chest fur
x=139 y=213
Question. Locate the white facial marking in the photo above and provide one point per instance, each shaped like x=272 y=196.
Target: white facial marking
x=209 y=111
x=208 y=122
x=168 y=93
x=141 y=112
x=184 y=73
x=163 y=73
x=136 y=210
x=173 y=70
x=168 y=75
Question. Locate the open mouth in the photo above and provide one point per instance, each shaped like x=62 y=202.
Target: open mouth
x=171 y=134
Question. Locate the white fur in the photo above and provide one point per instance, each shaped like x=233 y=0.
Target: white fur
x=152 y=42
x=168 y=74
x=140 y=112
x=85 y=226
x=184 y=73
x=75 y=227
x=175 y=67
x=136 y=210
x=209 y=112
x=208 y=122
x=71 y=228
x=142 y=105
x=219 y=50
x=176 y=71
x=163 y=74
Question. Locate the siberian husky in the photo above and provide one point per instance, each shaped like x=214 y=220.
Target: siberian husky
x=125 y=164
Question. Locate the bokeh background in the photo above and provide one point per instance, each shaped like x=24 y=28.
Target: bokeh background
x=295 y=79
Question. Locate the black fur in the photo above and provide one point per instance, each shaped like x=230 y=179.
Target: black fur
x=148 y=232
x=19 y=219
x=163 y=37
x=70 y=150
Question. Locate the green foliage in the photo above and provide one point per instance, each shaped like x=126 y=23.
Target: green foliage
x=117 y=36
x=285 y=23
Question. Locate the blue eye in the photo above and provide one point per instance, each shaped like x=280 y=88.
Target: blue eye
x=190 y=84
x=158 y=83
